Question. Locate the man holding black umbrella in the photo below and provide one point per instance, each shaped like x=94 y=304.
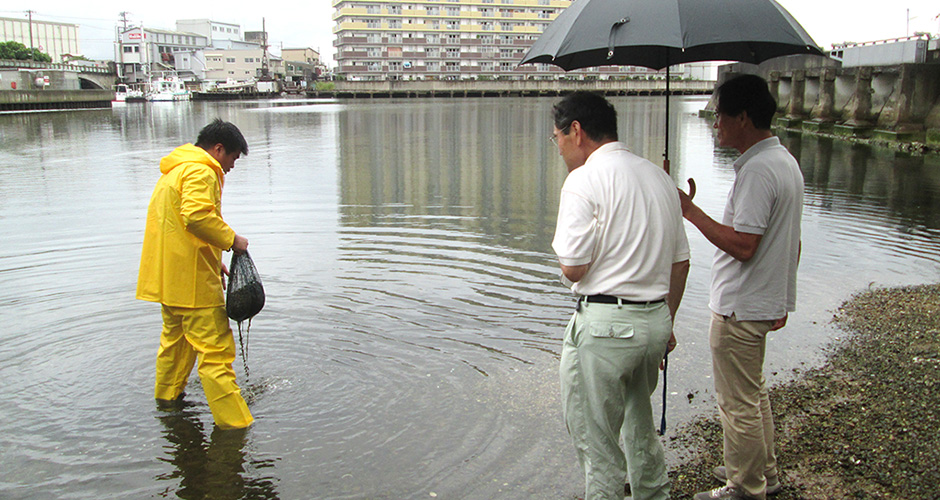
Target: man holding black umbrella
x=621 y=243
x=753 y=282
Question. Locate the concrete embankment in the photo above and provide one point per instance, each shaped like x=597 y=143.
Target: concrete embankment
x=897 y=104
x=36 y=100
x=519 y=88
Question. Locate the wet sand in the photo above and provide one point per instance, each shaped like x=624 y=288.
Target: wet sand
x=865 y=424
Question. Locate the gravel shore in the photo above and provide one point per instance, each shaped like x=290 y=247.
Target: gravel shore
x=864 y=425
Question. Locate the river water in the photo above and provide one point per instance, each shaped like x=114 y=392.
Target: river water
x=409 y=344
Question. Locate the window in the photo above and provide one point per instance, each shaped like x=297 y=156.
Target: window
x=453 y=39
x=394 y=9
x=452 y=66
x=373 y=9
x=129 y=49
x=455 y=52
x=230 y=60
x=453 y=11
x=434 y=11
x=249 y=59
x=394 y=66
x=453 y=25
x=394 y=24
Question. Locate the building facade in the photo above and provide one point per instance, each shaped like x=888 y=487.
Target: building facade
x=56 y=39
x=452 y=39
x=304 y=55
x=216 y=32
x=144 y=53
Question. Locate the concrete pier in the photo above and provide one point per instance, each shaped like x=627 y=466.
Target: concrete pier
x=893 y=104
x=37 y=100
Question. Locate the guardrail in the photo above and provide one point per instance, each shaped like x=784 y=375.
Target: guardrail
x=81 y=68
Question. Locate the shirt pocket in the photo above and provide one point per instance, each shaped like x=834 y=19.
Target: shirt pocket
x=611 y=330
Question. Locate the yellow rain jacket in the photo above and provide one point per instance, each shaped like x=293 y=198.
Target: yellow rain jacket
x=181 y=262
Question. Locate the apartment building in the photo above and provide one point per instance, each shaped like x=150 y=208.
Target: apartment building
x=446 y=39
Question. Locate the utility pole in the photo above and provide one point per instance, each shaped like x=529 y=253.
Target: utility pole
x=264 y=51
x=30 y=13
x=121 y=44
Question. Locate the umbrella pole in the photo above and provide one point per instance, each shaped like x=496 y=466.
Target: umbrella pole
x=666 y=151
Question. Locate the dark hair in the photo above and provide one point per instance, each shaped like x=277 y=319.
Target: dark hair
x=597 y=117
x=748 y=93
x=224 y=133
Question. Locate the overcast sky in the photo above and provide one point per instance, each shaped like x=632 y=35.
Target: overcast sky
x=309 y=24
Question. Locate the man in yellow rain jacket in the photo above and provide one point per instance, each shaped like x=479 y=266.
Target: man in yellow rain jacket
x=181 y=268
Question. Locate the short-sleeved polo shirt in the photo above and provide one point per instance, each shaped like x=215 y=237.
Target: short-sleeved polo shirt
x=767 y=199
x=621 y=214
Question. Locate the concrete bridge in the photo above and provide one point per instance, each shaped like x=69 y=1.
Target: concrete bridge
x=91 y=76
x=894 y=104
x=510 y=88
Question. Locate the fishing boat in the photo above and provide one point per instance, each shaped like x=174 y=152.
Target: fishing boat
x=123 y=93
x=168 y=88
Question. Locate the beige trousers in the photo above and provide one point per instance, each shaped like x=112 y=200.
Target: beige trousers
x=746 y=419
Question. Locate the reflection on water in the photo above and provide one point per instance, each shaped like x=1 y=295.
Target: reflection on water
x=409 y=340
x=219 y=468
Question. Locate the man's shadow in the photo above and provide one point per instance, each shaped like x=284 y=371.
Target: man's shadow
x=217 y=469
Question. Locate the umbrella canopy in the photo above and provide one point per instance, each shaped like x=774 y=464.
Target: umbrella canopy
x=660 y=33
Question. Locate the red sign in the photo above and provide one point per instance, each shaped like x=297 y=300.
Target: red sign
x=135 y=36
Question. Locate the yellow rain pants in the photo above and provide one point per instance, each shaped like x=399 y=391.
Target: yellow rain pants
x=203 y=333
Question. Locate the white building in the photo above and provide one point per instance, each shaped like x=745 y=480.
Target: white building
x=143 y=53
x=55 y=39
x=220 y=35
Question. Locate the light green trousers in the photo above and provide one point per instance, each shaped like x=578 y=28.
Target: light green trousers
x=609 y=369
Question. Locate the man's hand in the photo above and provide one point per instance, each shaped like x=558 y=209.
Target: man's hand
x=669 y=348
x=780 y=323
x=224 y=274
x=686 y=199
x=240 y=245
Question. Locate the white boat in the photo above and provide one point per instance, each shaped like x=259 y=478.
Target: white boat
x=168 y=88
x=123 y=93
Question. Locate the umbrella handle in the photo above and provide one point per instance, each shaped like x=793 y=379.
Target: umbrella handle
x=691 y=188
x=610 y=39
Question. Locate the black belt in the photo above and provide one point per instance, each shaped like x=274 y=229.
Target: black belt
x=610 y=299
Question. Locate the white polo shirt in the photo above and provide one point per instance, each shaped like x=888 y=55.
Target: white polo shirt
x=621 y=214
x=767 y=199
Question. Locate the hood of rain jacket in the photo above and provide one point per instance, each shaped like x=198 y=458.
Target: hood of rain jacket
x=181 y=261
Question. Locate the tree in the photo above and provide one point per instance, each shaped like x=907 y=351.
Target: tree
x=20 y=52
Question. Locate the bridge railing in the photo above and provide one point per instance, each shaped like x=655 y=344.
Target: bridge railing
x=90 y=67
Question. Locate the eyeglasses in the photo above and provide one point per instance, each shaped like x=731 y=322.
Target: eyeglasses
x=554 y=138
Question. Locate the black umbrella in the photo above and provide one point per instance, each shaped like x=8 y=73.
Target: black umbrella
x=660 y=33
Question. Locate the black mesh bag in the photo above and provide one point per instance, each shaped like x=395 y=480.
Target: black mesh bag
x=245 y=296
